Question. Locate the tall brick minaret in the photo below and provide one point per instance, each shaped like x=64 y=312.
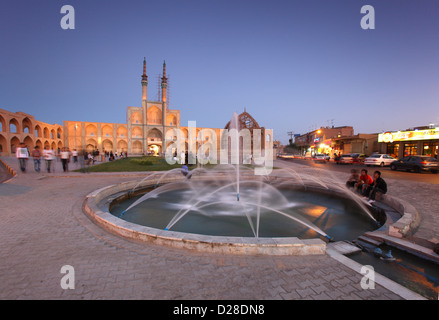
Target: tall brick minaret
x=144 y=83
x=164 y=93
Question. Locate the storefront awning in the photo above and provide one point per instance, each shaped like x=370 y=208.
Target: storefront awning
x=429 y=134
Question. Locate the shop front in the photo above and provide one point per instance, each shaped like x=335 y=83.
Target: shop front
x=363 y=143
x=321 y=146
x=412 y=142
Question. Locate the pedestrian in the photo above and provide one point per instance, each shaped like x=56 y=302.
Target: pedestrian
x=91 y=159
x=65 y=158
x=75 y=155
x=183 y=158
x=22 y=155
x=48 y=155
x=378 y=188
x=36 y=154
x=84 y=162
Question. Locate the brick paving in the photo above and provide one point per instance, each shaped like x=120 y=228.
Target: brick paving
x=42 y=228
x=425 y=197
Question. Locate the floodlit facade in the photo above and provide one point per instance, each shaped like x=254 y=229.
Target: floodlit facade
x=417 y=141
x=148 y=130
x=16 y=127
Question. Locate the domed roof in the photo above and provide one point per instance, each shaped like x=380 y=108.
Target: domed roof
x=245 y=120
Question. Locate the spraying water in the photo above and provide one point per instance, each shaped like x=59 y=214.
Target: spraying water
x=262 y=194
x=235 y=125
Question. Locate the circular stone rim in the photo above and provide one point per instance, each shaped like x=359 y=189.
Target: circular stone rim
x=405 y=225
x=202 y=243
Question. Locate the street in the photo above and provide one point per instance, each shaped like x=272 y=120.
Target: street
x=426 y=177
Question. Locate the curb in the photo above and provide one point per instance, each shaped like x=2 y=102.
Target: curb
x=391 y=285
x=11 y=171
x=405 y=226
x=410 y=217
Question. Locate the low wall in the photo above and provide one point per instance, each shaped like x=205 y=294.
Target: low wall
x=410 y=217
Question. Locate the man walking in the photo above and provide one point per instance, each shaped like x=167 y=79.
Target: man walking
x=22 y=155
x=48 y=155
x=75 y=155
x=65 y=158
x=36 y=154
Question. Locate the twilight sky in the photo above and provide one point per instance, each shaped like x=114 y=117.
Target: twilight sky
x=294 y=65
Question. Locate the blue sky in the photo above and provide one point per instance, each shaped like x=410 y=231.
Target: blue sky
x=294 y=65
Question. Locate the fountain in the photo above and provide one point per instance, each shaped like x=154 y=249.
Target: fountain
x=209 y=199
x=228 y=206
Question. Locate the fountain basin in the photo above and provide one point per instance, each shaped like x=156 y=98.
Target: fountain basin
x=204 y=243
x=97 y=206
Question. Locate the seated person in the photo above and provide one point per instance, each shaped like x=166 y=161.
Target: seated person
x=363 y=183
x=378 y=188
x=353 y=179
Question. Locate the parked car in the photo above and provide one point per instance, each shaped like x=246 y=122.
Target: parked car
x=379 y=159
x=358 y=157
x=320 y=158
x=346 y=158
x=416 y=163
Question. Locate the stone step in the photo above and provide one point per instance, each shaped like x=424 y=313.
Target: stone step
x=343 y=247
x=413 y=248
x=370 y=241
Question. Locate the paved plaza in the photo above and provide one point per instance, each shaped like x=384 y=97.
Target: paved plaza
x=43 y=228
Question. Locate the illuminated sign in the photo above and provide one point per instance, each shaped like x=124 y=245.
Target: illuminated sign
x=429 y=134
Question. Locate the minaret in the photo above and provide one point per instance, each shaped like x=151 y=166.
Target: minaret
x=164 y=96
x=164 y=83
x=144 y=83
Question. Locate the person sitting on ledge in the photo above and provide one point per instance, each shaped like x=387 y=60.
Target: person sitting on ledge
x=364 y=182
x=353 y=179
x=378 y=188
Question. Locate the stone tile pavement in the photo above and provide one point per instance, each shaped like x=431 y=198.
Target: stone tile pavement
x=42 y=228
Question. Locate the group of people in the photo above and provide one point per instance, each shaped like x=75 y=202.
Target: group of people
x=48 y=155
x=363 y=184
x=22 y=154
x=113 y=156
